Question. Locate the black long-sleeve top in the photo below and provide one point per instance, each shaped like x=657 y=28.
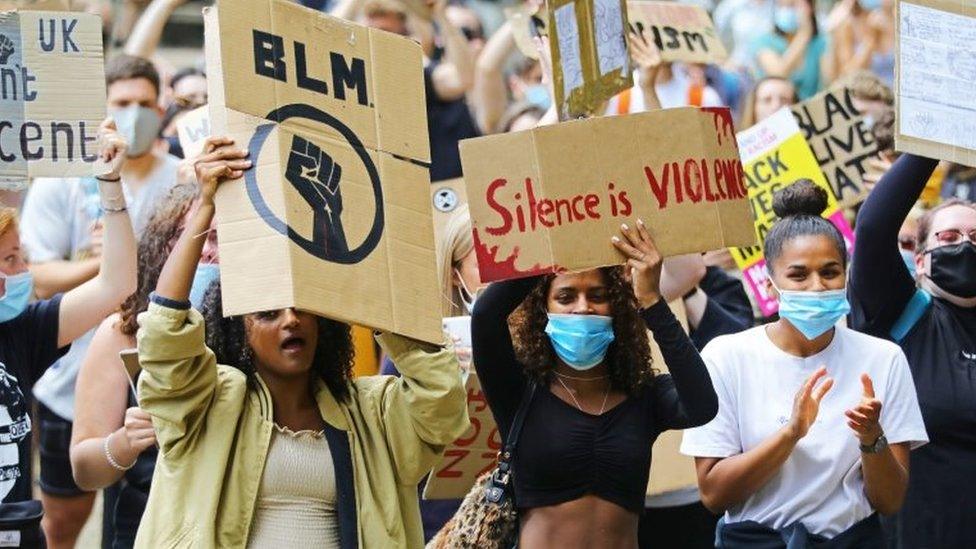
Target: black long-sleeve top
x=941 y=351
x=728 y=310
x=564 y=453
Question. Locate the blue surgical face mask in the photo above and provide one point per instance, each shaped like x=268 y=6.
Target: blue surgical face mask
x=869 y=5
x=813 y=313
x=538 y=95
x=205 y=275
x=581 y=341
x=139 y=126
x=17 y=291
x=909 y=259
x=786 y=20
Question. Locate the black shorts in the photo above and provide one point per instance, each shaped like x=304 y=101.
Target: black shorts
x=55 y=443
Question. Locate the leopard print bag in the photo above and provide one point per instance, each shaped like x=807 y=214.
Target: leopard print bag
x=488 y=517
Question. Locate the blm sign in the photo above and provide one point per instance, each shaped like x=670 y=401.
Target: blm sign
x=335 y=217
x=52 y=93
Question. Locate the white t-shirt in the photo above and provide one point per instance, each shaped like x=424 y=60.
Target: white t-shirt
x=821 y=484
x=671 y=94
x=55 y=224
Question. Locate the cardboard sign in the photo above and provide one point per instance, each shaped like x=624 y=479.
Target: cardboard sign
x=935 y=71
x=680 y=32
x=335 y=216
x=193 y=129
x=840 y=141
x=549 y=200
x=470 y=456
x=527 y=21
x=590 y=58
x=52 y=93
x=776 y=155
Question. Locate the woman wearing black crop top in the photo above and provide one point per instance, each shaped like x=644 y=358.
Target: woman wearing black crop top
x=936 y=328
x=583 y=458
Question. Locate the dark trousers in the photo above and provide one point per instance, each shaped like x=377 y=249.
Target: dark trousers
x=686 y=527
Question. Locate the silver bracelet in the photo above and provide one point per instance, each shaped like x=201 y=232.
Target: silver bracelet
x=111 y=459
x=111 y=196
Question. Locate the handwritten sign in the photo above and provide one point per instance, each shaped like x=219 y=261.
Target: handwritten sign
x=936 y=60
x=590 y=59
x=335 y=217
x=473 y=454
x=527 y=21
x=776 y=155
x=681 y=32
x=52 y=94
x=36 y=5
x=840 y=141
x=548 y=200
x=193 y=129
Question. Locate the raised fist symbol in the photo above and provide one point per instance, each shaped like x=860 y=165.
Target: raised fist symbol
x=316 y=177
x=6 y=49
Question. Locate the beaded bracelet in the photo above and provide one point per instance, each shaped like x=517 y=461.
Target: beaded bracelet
x=111 y=459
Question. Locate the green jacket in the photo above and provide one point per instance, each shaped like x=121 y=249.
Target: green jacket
x=214 y=430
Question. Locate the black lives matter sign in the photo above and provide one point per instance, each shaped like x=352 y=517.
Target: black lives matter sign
x=52 y=93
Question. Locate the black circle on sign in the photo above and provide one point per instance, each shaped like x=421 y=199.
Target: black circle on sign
x=317 y=249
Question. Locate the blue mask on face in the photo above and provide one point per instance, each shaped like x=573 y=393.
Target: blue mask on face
x=909 y=258
x=538 y=95
x=17 y=291
x=813 y=313
x=786 y=20
x=581 y=341
x=205 y=275
x=869 y=5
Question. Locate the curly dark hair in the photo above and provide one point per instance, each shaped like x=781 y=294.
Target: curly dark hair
x=629 y=356
x=157 y=240
x=227 y=338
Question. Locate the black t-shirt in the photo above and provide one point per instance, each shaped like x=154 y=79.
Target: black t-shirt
x=728 y=310
x=940 y=506
x=448 y=122
x=28 y=345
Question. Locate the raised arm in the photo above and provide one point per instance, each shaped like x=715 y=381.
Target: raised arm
x=86 y=306
x=145 y=36
x=880 y=285
x=783 y=65
x=453 y=77
x=490 y=93
x=179 y=373
x=647 y=59
x=425 y=409
x=493 y=353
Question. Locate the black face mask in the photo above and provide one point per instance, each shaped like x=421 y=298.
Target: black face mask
x=953 y=268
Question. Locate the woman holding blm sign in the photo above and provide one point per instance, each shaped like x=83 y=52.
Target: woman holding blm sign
x=282 y=449
x=593 y=406
x=936 y=327
x=815 y=421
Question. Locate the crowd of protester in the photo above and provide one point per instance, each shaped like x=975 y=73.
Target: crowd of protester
x=847 y=420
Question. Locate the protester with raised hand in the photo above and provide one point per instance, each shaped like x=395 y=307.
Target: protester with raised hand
x=815 y=420
x=795 y=49
x=932 y=316
x=582 y=461
x=282 y=447
x=112 y=438
x=863 y=35
x=33 y=336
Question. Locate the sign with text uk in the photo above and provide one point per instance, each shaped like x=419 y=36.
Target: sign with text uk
x=549 y=200
x=52 y=93
x=776 y=155
x=335 y=216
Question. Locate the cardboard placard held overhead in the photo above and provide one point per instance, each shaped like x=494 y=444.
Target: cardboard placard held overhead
x=840 y=141
x=527 y=22
x=775 y=155
x=52 y=97
x=681 y=32
x=549 y=200
x=335 y=216
x=36 y=5
x=193 y=129
x=935 y=75
x=590 y=57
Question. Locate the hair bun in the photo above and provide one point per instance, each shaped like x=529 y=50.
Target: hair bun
x=803 y=197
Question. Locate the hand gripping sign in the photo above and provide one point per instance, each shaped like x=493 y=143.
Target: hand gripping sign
x=335 y=217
